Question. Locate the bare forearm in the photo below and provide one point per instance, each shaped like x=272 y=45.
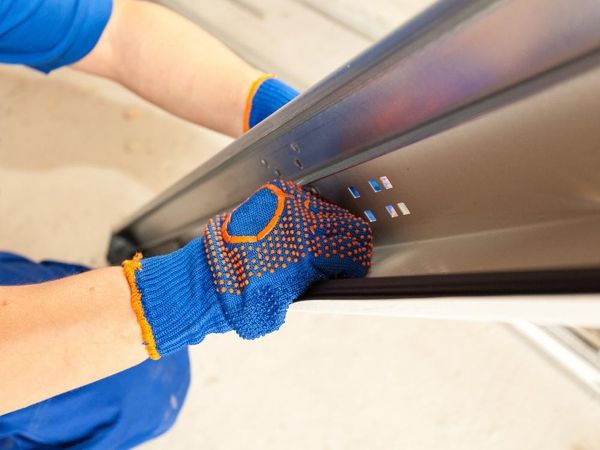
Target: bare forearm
x=171 y=62
x=63 y=334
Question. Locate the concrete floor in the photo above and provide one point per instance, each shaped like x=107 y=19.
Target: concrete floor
x=78 y=154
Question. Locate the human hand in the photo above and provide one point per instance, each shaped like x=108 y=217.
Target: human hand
x=248 y=267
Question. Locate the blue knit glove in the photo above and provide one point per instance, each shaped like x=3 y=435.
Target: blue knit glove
x=247 y=268
x=266 y=96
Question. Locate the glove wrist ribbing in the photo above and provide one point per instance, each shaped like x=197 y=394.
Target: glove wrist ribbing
x=174 y=299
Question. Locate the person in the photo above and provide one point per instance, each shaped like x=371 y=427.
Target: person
x=97 y=358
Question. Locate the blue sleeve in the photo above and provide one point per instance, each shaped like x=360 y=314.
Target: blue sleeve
x=48 y=34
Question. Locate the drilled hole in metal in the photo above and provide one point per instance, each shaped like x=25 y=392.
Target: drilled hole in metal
x=277 y=172
x=375 y=185
x=264 y=162
x=391 y=211
x=369 y=215
x=354 y=192
x=298 y=163
x=295 y=147
x=403 y=208
x=386 y=182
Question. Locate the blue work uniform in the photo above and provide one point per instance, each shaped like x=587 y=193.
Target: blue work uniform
x=132 y=406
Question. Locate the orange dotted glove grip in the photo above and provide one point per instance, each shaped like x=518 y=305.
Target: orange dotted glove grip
x=246 y=269
x=268 y=251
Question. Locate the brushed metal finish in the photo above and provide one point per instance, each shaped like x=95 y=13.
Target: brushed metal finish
x=439 y=70
x=516 y=188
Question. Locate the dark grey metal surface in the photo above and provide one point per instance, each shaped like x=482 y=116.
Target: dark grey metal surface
x=517 y=188
x=456 y=61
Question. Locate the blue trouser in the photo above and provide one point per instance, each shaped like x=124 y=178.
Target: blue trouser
x=117 y=412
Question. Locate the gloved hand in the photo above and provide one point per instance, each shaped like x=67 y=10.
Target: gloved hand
x=267 y=94
x=247 y=268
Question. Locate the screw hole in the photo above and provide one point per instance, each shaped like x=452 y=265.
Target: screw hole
x=264 y=162
x=277 y=172
x=298 y=163
x=295 y=147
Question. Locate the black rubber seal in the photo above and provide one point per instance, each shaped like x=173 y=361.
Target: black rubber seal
x=580 y=280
